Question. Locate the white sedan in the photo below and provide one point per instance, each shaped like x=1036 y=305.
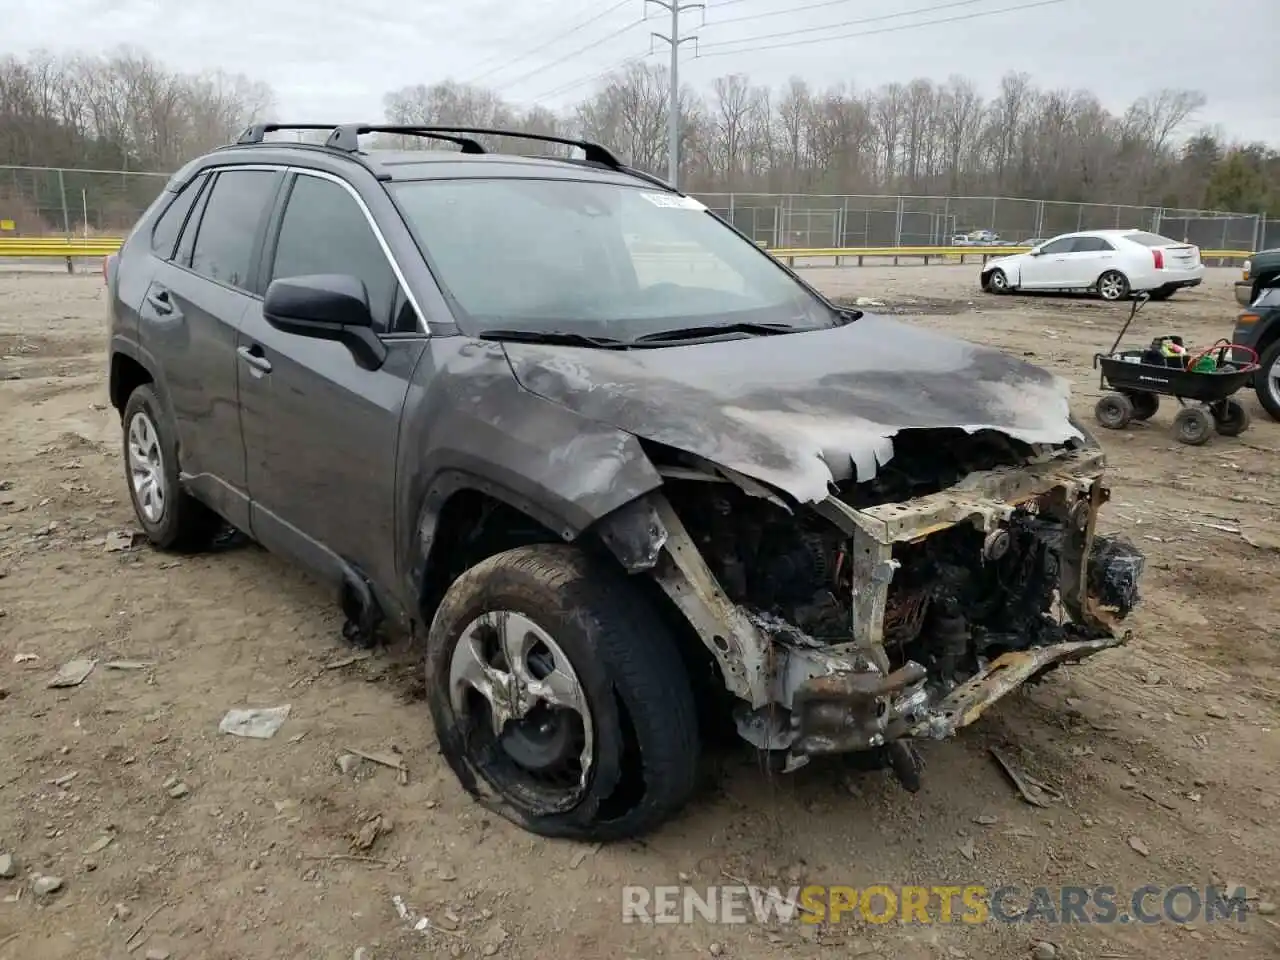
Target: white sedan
x=1113 y=263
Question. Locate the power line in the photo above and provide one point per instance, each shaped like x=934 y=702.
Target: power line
x=558 y=37
x=568 y=56
x=833 y=3
x=573 y=84
x=847 y=23
x=861 y=33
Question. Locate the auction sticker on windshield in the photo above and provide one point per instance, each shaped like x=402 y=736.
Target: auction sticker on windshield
x=673 y=201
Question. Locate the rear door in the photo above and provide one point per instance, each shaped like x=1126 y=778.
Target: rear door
x=320 y=431
x=189 y=317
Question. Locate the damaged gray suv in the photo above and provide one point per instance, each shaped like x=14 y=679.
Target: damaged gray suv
x=632 y=476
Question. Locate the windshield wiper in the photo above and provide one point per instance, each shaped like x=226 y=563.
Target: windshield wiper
x=714 y=329
x=567 y=338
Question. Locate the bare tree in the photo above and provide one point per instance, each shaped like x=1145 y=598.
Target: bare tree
x=127 y=111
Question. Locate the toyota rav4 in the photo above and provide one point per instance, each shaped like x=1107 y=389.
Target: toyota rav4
x=630 y=474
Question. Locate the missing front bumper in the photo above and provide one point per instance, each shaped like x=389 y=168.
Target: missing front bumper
x=843 y=713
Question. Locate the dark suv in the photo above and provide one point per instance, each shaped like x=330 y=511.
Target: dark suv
x=631 y=474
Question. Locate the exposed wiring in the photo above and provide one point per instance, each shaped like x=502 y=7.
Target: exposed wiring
x=569 y=56
x=581 y=81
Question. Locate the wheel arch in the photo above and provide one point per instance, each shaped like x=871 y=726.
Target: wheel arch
x=1098 y=279
x=125 y=374
x=465 y=518
x=1269 y=336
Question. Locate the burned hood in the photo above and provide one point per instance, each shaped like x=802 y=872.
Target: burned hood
x=801 y=410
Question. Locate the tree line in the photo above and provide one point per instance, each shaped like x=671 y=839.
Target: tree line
x=127 y=111
x=920 y=138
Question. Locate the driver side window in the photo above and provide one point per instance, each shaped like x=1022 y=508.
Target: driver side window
x=325 y=231
x=1065 y=245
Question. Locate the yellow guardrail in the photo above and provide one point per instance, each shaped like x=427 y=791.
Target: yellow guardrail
x=22 y=247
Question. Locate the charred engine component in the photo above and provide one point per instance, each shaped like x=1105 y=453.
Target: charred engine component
x=851 y=711
x=951 y=638
x=1115 y=567
x=961 y=597
x=768 y=560
x=794 y=567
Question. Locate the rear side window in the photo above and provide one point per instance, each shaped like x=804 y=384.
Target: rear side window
x=1150 y=239
x=223 y=250
x=325 y=231
x=165 y=234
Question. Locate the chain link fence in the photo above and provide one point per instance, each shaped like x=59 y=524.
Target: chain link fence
x=825 y=222
x=49 y=201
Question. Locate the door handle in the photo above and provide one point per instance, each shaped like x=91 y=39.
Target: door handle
x=253 y=357
x=160 y=302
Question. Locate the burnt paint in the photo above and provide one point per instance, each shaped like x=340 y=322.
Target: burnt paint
x=468 y=424
x=798 y=411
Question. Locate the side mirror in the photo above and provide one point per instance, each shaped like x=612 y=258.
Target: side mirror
x=1036 y=252
x=326 y=307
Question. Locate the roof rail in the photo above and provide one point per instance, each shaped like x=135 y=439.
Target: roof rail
x=345 y=135
x=341 y=136
x=257 y=132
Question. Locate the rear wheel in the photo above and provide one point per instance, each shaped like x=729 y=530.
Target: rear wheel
x=1144 y=404
x=1192 y=426
x=1114 y=411
x=171 y=518
x=1113 y=285
x=1266 y=382
x=559 y=698
x=1231 y=419
x=998 y=282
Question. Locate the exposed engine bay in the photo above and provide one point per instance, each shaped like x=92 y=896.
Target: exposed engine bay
x=958 y=598
x=900 y=607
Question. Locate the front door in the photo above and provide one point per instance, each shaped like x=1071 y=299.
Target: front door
x=1051 y=268
x=320 y=431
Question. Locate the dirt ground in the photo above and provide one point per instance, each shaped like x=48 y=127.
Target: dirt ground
x=172 y=839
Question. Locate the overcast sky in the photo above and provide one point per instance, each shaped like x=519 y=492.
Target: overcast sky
x=330 y=60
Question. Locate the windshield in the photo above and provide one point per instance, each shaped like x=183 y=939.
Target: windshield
x=599 y=259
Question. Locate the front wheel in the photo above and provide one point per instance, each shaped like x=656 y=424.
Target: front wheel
x=171 y=518
x=1114 y=411
x=1113 y=285
x=998 y=282
x=559 y=698
x=1266 y=382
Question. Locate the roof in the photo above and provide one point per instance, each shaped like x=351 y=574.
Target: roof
x=342 y=146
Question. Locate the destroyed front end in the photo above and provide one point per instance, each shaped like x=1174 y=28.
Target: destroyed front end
x=892 y=610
